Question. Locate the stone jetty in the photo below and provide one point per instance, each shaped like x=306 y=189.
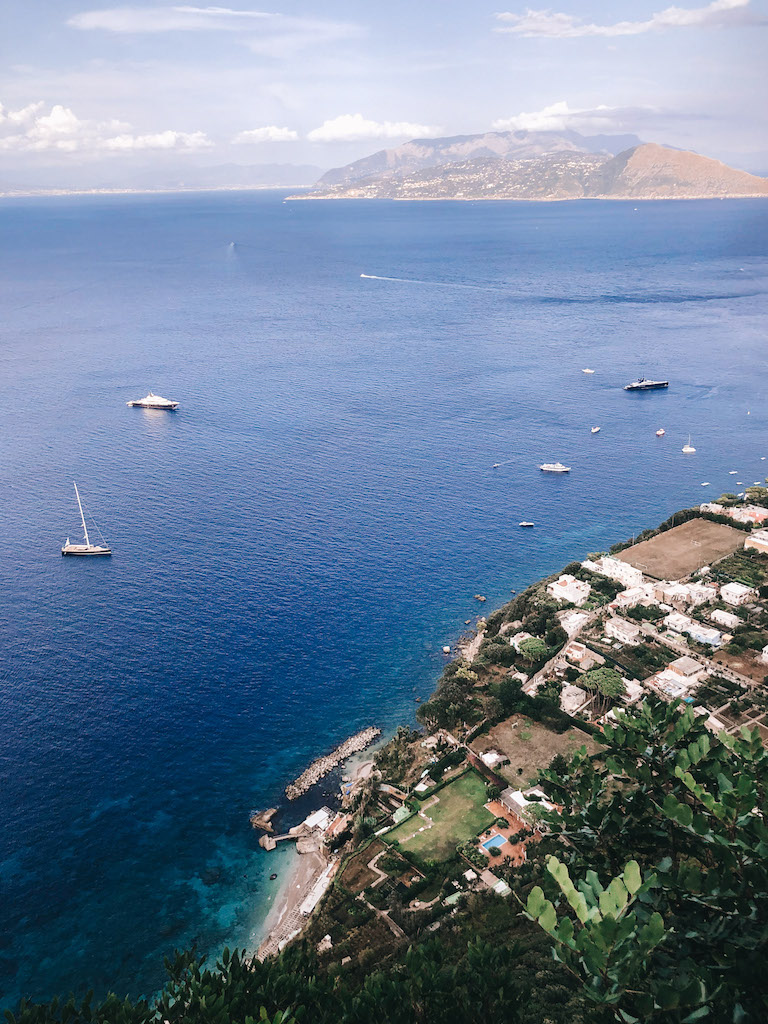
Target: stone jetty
x=323 y=765
x=263 y=819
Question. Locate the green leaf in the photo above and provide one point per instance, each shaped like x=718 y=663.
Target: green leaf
x=536 y=901
x=548 y=919
x=632 y=877
x=652 y=934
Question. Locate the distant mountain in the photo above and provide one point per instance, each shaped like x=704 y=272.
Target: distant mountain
x=521 y=145
x=646 y=171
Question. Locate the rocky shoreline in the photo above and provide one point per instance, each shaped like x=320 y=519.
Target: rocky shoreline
x=323 y=765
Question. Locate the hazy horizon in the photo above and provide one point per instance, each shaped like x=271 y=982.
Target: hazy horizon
x=105 y=93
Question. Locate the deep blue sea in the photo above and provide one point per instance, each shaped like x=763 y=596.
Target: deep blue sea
x=295 y=544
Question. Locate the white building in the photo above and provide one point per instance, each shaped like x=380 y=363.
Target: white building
x=727 y=619
x=749 y=514
x=579 y=654
x=572 y=620
x=737 y=594
x=757 y=541
x=492 y=758
x=518 y=638
x=764 y=654
x=688 y=669
x=679 y=623
x=615 y=569
x=643 y=595
x=713 y=508
x=685 y=595
x=633 y=691
x=569 y=590
x=623 y=630
x=518 y=802
x=573 y=698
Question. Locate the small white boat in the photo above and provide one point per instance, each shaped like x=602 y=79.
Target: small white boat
x=688 y=448
x=496 y=465
x=153 y=401
x=739 y=483
x=595 y=430
x=87 y=548
x=524 y=523
x=762 y=458
x=706 y=484
x=587 y=371
x=660 y=432
x=554 y=467
x=732 y=472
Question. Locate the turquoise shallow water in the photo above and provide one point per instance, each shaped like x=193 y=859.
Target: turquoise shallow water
x=293 y=547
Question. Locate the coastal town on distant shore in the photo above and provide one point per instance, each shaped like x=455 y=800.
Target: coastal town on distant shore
x=678 y=614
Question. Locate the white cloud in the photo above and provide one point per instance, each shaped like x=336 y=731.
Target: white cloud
x=60 y=130
x=355 y=127
x=263 y=32
x=554 y=25
x=559 y=116
x=270 y=133
x=157 y=140
x=182 y=18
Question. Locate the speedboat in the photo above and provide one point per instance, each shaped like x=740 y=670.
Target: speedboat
x=732 y=472
x=524 y=523
x=554 y=467
x=595 y=430
x=688 y=448
x=153 y=401
x=661 y=432
x=87 y=548
x=641 y=384
x=587 y=371
x=706 y=484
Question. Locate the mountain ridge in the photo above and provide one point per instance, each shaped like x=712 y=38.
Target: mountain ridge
x=645 y=171
x=421 y=153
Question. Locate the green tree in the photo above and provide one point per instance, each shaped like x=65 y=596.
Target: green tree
x=533 y=649
x=605 y=683
x=691 y=811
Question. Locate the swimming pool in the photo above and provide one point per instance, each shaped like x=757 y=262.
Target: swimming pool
x=494 y=841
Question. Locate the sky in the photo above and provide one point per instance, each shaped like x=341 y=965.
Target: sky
x=86 y=84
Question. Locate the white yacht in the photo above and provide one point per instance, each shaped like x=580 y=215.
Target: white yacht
x=595 y=430
x=587 y=371
x=660 y=432
x=524 y=523
x=688 y=448
x=87 y=548
x=153 y=401
x=554 y=467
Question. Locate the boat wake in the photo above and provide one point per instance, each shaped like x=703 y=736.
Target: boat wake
x=433 y=284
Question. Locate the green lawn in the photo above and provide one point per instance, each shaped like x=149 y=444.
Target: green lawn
x=457 y=816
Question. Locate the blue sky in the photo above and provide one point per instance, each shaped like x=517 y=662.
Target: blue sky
x=297 y=82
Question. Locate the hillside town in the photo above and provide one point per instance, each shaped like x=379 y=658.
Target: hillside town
x=441 y=814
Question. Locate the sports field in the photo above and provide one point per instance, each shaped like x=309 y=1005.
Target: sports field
x=455 y=814
x=683 y=549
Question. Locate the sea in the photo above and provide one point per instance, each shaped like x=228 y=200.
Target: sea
x=293 y=547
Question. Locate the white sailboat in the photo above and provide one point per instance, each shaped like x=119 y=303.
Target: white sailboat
x=688 y=448
x=87 y=548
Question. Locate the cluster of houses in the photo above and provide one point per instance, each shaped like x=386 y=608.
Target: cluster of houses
x=751 y=515
x=681 y=607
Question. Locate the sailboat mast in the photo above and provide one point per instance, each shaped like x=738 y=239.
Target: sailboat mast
x=80 y=506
